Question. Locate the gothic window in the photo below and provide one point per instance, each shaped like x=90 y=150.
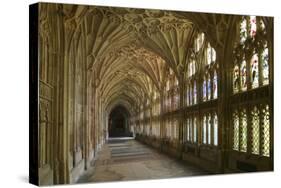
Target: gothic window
x=259 y=130
x=252 y=41
x=210 y=128
x=210 y=79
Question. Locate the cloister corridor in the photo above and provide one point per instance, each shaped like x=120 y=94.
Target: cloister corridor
x=194 y=91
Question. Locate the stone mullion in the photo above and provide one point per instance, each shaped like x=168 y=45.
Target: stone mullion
x=181 y=113
x=249 y=127
x=224 y=88
x=271 y=93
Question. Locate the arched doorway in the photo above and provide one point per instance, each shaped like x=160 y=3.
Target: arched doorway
x=118 y=124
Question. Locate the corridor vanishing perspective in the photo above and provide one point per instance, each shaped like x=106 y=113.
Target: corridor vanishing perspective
x=129 y=94
x=126 y=159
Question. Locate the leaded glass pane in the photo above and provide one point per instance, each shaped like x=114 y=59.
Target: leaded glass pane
x=266 y=132
x=236 y=79
x=265 y=67
x=195 y=92
x=190 y=69
x=215 y=85
x=215 y=120
x=204 y=89
x=243 y=74
x=209 y=87
x=235 y=131
x=214 y=55
x=199 y=41
x=253 y=26
x=243 y=30
x=255 y=71
x=243 y=137
x=255 y=131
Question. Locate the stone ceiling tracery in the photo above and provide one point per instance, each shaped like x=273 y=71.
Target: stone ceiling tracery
x=130 y=50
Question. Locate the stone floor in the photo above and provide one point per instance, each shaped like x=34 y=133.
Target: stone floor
x=124 y=159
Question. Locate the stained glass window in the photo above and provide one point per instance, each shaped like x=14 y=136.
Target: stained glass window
x=215 y=124
x=265 y=68
x=209 y=87
x=195 y=93
x=243 y=30
x=258 y=65
x=243 y=74
x=204 y=89
x=243 y=127
x=265 y=132
x=204 y=129
x=236 y=79
x=209 y=129
x=255 y=131
x=255 y=71
x=215 y=85
x=253 y=26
